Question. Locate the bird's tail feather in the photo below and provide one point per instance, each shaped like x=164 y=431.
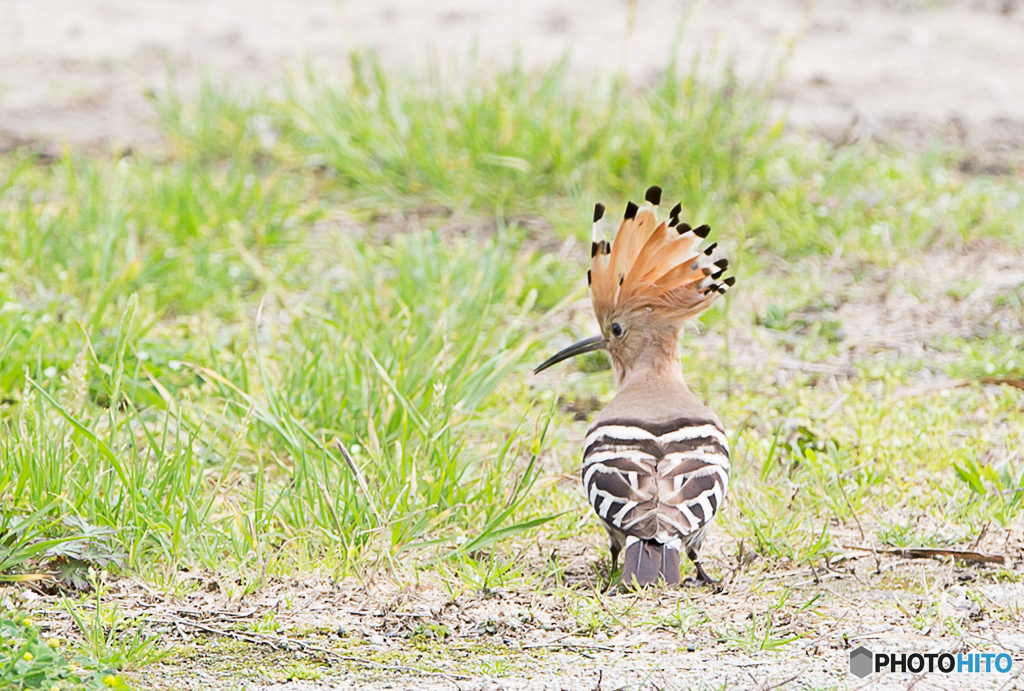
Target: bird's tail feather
x=647 y=562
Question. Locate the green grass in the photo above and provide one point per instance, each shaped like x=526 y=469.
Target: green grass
x=29 y=660
x=185 y=335
x=380 y=260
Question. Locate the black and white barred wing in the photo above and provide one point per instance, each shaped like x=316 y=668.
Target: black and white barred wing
x=656 y=482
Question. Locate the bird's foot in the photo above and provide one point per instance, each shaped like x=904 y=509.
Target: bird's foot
x=691 y=582
x=702 y=579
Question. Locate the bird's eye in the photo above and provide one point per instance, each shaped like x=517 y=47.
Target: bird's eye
x=616 y=330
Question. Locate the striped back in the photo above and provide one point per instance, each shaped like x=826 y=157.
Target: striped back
x=660 y=481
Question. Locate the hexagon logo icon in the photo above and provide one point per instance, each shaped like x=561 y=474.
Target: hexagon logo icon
x=861 y=662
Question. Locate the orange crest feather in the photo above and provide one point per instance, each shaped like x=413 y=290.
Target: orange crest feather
x=654 y=265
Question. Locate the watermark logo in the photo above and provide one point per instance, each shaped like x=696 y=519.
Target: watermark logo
x=864 y=662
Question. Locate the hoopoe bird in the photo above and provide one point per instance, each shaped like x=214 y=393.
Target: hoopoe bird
x=656 y=460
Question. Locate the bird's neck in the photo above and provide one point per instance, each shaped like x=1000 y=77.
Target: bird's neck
x=657 y=361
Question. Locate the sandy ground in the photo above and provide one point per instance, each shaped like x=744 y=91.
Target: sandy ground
x=76 y=70
x=312 y=634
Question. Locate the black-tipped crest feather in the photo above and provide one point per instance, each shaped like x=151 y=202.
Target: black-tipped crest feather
x=650 y=267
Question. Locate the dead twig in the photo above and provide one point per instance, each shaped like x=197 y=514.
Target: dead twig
x=575 y=646
x=361 y=481
x=800 y=573
x=912 y=684
x=981 y=535
x=1012 y=679
x=276 y=642
x=571 y=645
x=849 y=505
x=783 y=683
x=933 y=552
x=382 y=524
x=911 y=391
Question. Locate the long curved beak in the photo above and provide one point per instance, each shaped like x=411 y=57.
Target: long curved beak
x=591 y=344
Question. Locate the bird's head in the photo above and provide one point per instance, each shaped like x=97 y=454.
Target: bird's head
x=646 y=285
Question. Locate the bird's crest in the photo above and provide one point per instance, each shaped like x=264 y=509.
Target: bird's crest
x=654 y=264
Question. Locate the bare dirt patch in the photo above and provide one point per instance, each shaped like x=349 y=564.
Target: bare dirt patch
x=913 y=308
x=764 y=628
x=77 y=70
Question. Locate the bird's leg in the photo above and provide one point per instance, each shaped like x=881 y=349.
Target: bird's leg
x=702 y=577
x=615 y=549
